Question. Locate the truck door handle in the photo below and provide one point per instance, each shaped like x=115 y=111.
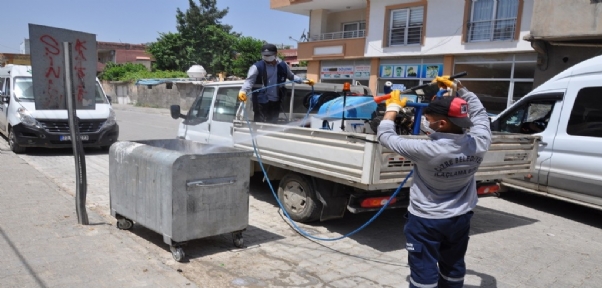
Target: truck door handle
x=543 y=143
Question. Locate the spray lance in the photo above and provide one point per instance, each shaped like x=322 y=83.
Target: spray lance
x=417 y=106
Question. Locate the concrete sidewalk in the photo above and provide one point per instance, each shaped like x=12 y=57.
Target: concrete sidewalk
x=41 y=244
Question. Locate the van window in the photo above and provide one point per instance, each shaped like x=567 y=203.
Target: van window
x=2 y=85
x=100 y=98
x=586 y=116
x=226 y=104
x=199 y=112
x=529 y=118
x=24 y=88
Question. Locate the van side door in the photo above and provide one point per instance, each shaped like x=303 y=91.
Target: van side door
x=224 y=111
x=198 y=119
x=535 y=114
x=575 y=167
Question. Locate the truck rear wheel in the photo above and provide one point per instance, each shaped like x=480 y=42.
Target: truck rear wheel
x=297 y=195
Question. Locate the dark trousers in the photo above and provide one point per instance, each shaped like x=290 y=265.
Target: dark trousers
x=267 y=112
x=436 y=249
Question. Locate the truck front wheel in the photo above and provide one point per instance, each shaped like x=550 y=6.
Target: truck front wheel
x=298 y=197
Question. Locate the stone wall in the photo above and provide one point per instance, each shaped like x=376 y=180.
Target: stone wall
x=182 y=93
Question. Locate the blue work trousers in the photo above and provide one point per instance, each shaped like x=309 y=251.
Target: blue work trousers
x=436 y=249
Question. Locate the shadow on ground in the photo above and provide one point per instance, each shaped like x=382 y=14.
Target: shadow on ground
x=207 y=246
x=35 y=151
x=577 y=213
x=385 y=233
x=487 y=281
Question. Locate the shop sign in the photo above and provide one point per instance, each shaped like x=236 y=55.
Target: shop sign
x=411 y=71
x=345 y=72
x=362 y=72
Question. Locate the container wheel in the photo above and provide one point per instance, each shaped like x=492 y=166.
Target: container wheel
x=125 y=224
x=177 y=253
x=12 y=143
x=298 y=197
x=238 y=240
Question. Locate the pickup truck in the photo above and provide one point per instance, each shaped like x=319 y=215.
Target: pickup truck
x=325 y=171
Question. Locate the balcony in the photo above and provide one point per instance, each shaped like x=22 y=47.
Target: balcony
x=334 y=48
x=339 y=35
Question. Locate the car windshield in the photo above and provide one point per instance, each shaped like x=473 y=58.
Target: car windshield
x=24 y=90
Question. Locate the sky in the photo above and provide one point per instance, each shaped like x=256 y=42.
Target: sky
x=140 y=21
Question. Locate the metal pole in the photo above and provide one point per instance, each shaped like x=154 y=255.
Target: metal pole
x=344 y=109
x=78 y=151
x=290 y=113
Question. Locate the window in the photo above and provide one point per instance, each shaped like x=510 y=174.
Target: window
x=586 y=116
x=226 y=104
x=354 y=29
x=199 y=112
x=2 y=85
x=406 y=26
x=24 y=88
x=492 y=20
x=528 y=119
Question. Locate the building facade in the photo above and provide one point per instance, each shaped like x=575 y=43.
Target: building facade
x=564 y=34
x=410 y=42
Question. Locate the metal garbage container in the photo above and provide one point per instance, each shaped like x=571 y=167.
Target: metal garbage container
x=181 y=189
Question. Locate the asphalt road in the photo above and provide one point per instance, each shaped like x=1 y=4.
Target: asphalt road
x=518 y=240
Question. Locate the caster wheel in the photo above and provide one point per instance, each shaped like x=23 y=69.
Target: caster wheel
x=238 y=240
x=125 y=224
x=177 y=253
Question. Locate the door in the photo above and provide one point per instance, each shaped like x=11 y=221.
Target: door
x=224 y=112
x=198 y=124
x=535 y=115
x=575 y=170
x=5 y=93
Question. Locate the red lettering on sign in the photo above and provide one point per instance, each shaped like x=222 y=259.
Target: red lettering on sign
x=53 y=72
x=52 y=45
x=79 y=48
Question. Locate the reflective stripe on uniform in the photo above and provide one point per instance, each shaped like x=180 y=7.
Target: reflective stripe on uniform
x=450 y=279
x=434 y=285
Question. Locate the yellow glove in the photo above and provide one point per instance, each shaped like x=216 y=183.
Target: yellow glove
x=309 y=82
x=395 y=103
x=444 y=82
x=242 y=96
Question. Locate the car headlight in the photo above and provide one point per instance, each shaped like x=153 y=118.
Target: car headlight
x=111 y=119
x=26 y=118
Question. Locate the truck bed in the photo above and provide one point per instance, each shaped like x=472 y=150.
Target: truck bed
x=358 y=160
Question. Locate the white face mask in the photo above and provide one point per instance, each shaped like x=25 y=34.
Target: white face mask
x=425 y=126
x=268 y=58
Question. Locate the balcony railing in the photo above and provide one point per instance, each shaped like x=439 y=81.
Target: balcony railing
x=492 y=30
x=339 y=35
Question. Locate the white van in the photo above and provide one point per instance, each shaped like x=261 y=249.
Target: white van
x=24 y=126
x=566 y=111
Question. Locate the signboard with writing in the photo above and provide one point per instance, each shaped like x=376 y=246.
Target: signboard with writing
x=345 y=72
x=48 y=67
x=362 y=72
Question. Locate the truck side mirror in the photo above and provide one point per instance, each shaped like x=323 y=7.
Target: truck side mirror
x=5 y=99
x=175 y=112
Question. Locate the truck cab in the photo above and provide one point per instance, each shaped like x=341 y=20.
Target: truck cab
x=25 y=126
x=566 y=112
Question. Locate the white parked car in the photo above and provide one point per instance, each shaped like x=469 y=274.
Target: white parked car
x=24 y=126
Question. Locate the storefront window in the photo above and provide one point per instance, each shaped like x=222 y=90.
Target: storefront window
x=498 y=80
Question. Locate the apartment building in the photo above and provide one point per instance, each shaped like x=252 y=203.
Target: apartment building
x=564 y=34
x=410 y=42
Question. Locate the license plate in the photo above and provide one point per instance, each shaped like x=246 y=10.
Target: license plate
x=68 y=137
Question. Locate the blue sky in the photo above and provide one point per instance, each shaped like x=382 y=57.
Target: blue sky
x=139 y=21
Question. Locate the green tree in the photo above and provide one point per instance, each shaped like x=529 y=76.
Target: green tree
x=201 y=27
x=171 y=52
x=248 y=51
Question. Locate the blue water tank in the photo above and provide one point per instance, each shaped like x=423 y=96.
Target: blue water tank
x=356 y=107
